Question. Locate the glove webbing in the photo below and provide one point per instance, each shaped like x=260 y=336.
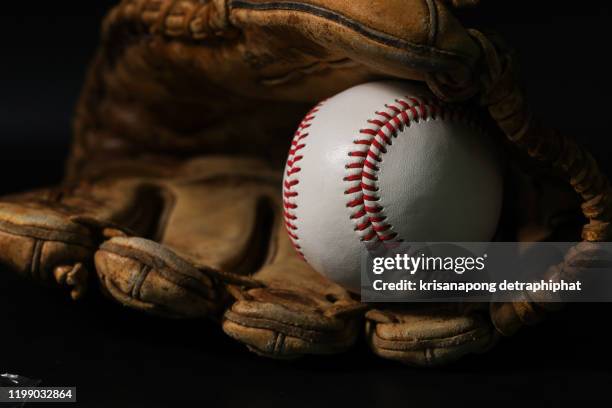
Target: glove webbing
x=501 y=95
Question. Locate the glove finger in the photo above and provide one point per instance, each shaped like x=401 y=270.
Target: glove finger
x=50 y=236
x=285 y=324
x=298 y=312
x=36 y=242
x=428 y=335
x=147 y=276
x=213 y=229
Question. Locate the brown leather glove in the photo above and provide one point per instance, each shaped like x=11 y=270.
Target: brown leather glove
x=171 y=233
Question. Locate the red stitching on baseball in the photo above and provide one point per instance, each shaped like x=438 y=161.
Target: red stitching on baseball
x=374 y=140
x=292 y=179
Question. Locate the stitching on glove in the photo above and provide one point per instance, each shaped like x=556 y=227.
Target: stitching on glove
x=278 y=343
x=372 y=143
x=138 y=280
x=292 y=179
x=35 y=261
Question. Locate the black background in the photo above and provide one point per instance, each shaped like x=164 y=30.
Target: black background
x=121 y=358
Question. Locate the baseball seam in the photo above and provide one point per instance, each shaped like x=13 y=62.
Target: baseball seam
x=292 y=171
x=361 y=176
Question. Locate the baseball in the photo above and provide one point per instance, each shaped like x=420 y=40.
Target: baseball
x=387 y=161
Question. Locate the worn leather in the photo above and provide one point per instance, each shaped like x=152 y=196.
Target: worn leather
x=158 y=242
x=161 y=208
x=183 y=77
x=430 y=334
x=296 y=312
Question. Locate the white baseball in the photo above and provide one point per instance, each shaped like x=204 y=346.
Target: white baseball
x=386 y=161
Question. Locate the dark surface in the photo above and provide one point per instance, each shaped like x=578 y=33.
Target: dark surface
x=121 y=358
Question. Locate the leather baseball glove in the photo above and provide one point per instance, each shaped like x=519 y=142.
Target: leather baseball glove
x=172 y=204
